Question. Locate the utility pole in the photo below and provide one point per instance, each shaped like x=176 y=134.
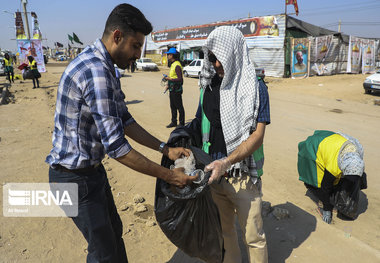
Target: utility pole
x=24 y=3
x=340 y=22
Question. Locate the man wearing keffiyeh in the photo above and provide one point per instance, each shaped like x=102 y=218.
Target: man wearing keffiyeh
x=234 y=111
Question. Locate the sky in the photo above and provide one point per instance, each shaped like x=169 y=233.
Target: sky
x=87 y=18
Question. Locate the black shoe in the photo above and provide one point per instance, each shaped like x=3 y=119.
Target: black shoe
x=34 y=87
x=171 y=125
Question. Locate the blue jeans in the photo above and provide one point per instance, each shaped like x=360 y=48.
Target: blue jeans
x=97 y=218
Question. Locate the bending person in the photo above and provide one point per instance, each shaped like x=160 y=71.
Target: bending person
x=329 y=162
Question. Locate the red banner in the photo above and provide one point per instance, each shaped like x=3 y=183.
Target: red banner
x=293 y=2
x=20 y=33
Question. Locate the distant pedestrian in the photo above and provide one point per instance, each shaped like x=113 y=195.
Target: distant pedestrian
x=8 y=67
x=36 y=74
x=175 y=86
x=133 y=66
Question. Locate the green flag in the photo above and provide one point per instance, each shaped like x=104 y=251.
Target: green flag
x=76 y=39
x=70 y=38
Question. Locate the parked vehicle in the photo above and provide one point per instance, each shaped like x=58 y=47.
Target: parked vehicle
x=2 y=70
x=146 y=64
x=193 y=69
x=61 y=58
x=372 y=83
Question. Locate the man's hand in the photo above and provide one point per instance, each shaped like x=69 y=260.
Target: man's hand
x=179 y=178
x=219 y=168
x=175 y=153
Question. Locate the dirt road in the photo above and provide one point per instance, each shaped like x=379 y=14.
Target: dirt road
x=298 y=107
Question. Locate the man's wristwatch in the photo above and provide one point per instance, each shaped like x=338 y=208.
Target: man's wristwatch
x=161 y=148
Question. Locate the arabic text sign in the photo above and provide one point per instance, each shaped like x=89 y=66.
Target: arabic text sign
x=259 y=26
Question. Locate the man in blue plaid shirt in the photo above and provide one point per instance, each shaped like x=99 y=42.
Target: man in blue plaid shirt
x=91 y=120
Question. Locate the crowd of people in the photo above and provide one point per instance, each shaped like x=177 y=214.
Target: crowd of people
x=91 y=120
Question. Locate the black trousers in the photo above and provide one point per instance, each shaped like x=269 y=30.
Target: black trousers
x=97 y=218
x=176 y=105
x=327 y=189
x=34 y=83
x=10 y=76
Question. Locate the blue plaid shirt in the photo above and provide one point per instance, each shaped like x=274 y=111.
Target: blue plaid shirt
x=91 y=113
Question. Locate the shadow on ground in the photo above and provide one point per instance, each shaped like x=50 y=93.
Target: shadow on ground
x=48 y=87
x=133 y=102
x=282 y=235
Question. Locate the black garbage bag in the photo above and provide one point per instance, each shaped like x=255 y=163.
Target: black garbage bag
x=28 y=74
x=31 y=74
x=189 y=216
x=346 y=198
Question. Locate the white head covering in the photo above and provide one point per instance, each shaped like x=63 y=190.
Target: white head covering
x=239 y=91
x=350 y=158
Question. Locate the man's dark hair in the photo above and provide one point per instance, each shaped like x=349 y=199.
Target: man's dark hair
x=128 y=19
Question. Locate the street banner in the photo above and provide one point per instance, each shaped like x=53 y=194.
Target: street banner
x=257 y=26
x=33 y=48
x=368 y=56
x=20 y=32
x=354 y=55
x=300 y=57
x=322 y=47
x=36 y=28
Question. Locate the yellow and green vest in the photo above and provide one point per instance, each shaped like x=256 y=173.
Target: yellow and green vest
x=318 y=153
x=174 y=86
x=8 y=65
x=7 y=62
x=33 y=65
x=258 y=155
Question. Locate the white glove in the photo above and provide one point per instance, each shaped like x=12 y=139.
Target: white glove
x=219 y=168
x=326 y=216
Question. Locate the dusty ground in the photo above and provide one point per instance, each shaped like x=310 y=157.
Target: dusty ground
x=298 y=107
